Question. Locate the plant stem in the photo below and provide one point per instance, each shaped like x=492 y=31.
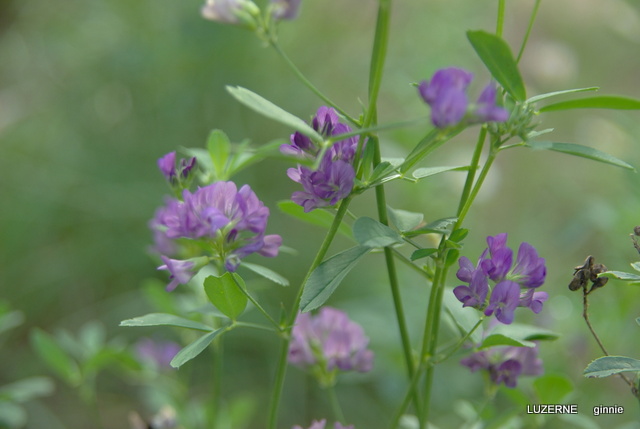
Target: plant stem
x=257 y=304
x=284 y=349
x=500 y=22
x=306 y=82
x=534 y=14
x=335 y=404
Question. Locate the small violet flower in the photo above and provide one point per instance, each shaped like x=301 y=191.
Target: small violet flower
x=329 y=342
x=333 y=180
x=285 y=9
x=446 y=93
x=231 y=12
x=506 y=364
x=228 y=221
x=160 y=353
x=320 y=424
x=515 y=283
x=176 y=175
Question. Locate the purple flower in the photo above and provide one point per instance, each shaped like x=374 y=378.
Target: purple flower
x=501 y=259
x=329 y=341
x=505 y=298
x=475 y=294
x=446 y=94
x=506 y=364
x=159 y=352
x=334 y=178
x=181 y=272
x=285 y=9
x=167 y=166
x=231 y=11
x=231 y=223
x=533 y=300
x=530 y=270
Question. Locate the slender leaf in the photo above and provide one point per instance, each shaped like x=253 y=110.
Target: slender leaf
x=502 y=340
x=440 y=226
x=327 y=277
x=404 y=220
x=536 y=98
x=523 y=332
x=270 y=110
x=609 y=365
x=422 y=253
x=194 y=349
x=496 y=55
x=318 y=217
x=55 y=357
x=164 y=319
x=421 y=173
x=620 y=275
x=613 y=102
x=635 y=266
x=266 y=273
x=224 y=292
x=219 y=148
x=371 y=233
x=581 y=151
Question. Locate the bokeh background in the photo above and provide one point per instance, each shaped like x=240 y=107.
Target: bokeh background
x=93 y=92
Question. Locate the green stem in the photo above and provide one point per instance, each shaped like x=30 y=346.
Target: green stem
x=460 y=342
x=335 y=404
x=308 y=83
x=284 y=349
x=257 y=304
x=500 y=22
x=471 y=174
x=534 y=14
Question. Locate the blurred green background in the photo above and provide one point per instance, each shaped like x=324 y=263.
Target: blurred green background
x=93 y=92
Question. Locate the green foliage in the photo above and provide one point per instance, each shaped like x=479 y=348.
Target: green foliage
x=219 y=148
x=609 y=365
x=371 y=233
x=226 y=293
x=580 y=151
x=56 y=358
x=552 y=388
x=404 y=220
x=265 y=272
x=325 y=279
x=496 y=55
x=270 y=110
x=440 y=226
x=613 y=102
x=320 y=218
x=194 y=349
x=163 y=319
x=421 y=173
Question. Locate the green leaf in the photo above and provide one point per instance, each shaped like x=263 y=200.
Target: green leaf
x=496 y=55
x=404 y=220
x=421 y=173
x=581 y=151
x=219 y=148
x=224 y=292
x=55 y=357
x=609 y=365
x=164 y=319
x=27 y=389
x=536 y=98
x=502 y=340
x=597 y=102
x=635 y=266
x=325 y=279
x=371 y=233
x=458 y=235
x=627 y=277
x=316 y=217
x=422 y=253
x=440 y=226
x=266 y=273
x=12 y=416
x=194 y=349
x=552 y=388
x=523 y=332
x=270 y=110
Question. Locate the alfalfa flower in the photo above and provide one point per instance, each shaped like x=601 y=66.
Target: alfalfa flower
x=329 y=342
x=285 y=9
x=243 y=12
x=506 y=364
x=446 y=94
x=334 y=177
x=321 y=424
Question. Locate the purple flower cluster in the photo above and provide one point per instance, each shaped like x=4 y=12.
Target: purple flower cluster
x=515 y=284
x=333 y=180
x=173 y=174
x=506 y=364
x=446 y=93
x=231 y=223
x=329 y=341
x=320 y=424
